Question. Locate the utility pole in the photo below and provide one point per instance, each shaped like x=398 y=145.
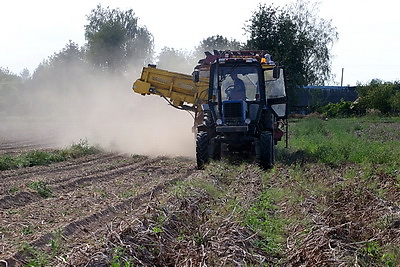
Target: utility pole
x=341 y=80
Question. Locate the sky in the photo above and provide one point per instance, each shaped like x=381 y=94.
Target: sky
x=369 y=30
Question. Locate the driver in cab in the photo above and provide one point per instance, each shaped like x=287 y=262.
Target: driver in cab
x=238 y=90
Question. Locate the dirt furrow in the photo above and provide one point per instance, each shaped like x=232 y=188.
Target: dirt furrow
x=9 y=147
x=159 y=172
x=66 y=182
x=4 y=145
x=76 y=165
x=15 y=150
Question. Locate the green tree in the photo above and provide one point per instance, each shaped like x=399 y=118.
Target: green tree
x=176 y=60
x=61 y=70
x=217 y=42
x=115 y=41
x=395 y=100
x=25 y=74
x=67 y=59
x=10 y=91
x=57 y=78
x=297 y=38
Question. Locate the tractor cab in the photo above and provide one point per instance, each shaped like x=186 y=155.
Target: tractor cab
x=235 y=94
x=240 y=89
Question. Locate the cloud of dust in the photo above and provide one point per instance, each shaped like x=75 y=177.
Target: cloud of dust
x=142 y=125
x=119 y=119
x=105 y=111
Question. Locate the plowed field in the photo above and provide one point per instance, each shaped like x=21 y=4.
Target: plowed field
x=86 y=194
x=115 y=209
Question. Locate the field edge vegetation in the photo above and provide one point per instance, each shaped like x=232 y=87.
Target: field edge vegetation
x=39 y=157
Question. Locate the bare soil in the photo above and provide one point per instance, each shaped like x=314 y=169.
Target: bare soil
x=87 y=193
x=106 y=202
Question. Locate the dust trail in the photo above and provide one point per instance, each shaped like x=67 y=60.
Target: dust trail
x=105 y=111
x=132 y=123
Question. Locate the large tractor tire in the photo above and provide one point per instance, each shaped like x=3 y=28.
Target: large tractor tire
x=202 y=156
x=267 y=150
x=216 y=151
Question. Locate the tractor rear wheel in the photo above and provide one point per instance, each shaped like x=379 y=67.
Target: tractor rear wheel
x=202 y=156
x=267 y=150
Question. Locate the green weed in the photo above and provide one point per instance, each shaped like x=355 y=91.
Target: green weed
x=13 y=190
x=40 y=257
x=101 y=192
x=80 y=149
x=6 y=162
x=41 y=188
x=27 y=230
x=372 y=252
x=36 y=257
x=11 y=211
x=36 y=158
x=372 y=249
x=128 y=193
x=157 y=230
x=391 y=256
x=57 y=243
x=118 y=258
x=209 y=187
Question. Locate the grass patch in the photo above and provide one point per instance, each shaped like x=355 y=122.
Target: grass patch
x=39 y=158
x=338 y=141
x=27 y=230
x=263 y=218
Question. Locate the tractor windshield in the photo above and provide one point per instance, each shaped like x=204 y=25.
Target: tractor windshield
x=239 y=82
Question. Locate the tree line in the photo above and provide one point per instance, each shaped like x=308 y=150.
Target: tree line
x=116 y=44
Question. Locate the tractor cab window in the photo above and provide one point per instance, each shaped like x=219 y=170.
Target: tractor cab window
x=275 y=87
x=275 y=91
x=238 y=83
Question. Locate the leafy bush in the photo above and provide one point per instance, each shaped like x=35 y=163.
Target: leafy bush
x=80 y=149
x=33 y=158
x=383 y=97
x=36 y=158
x=379 y=95
x=6 y=162
x=341 y=109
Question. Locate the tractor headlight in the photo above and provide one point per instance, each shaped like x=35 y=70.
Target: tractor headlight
x=218 y=122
